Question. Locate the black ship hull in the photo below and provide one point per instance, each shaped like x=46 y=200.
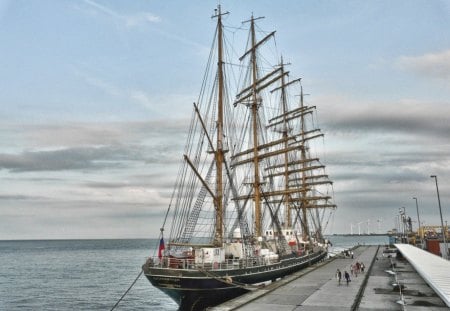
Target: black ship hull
x=196 y=289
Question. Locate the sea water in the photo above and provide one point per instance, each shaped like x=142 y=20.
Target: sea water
x=91 y=274
x=77 y=275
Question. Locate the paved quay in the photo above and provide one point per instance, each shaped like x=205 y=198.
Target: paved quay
x=316 y=288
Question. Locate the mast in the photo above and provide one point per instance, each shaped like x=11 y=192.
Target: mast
x=256 y=183
x=287 y=197
x=219 y=148
x=250 y=97
x=303 y=201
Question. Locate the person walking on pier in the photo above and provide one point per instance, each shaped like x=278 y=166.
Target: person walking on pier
x=354 y=269
x=339 y=276
x=347 y=277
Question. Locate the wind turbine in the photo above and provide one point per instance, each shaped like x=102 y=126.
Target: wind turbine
x=379 y=221
x=359 y=227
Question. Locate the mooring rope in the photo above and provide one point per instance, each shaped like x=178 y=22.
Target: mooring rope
x=229 y=280
x=126 y=292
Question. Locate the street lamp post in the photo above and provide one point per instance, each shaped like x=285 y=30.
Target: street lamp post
x=403 y=217
x=442 y=221
x=418 y=222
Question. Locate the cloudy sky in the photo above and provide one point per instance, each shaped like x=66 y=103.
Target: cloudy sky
x=95 y=98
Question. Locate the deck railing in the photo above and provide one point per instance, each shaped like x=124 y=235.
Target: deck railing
x=229 y=264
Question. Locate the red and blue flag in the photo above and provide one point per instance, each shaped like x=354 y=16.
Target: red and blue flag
x=161 y=248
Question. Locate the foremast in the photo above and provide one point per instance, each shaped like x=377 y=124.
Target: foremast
x=201 y=189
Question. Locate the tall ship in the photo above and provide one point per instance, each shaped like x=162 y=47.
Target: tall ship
x=252 y=199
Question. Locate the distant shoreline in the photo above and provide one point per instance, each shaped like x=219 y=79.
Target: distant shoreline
x=362 y=234
x=75 y=239
x=97 y=239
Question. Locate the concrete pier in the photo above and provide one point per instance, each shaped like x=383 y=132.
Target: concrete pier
x=316 y=288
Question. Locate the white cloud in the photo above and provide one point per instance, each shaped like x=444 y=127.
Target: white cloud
x=167 y=105
x=159 y=105
x=143 y=18
x=436 y=65
x=102 y=85
x=141 y=97
x=140 y=18
x=131 y=20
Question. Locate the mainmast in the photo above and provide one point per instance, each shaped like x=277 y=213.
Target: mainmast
x=219 y=147
x=254 y=107
x=250 y=96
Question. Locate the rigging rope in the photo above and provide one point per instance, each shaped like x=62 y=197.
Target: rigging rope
x=126 y=292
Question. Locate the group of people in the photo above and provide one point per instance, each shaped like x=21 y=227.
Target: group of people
x=355 y=268
x=348 y=253
x=339 y=276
